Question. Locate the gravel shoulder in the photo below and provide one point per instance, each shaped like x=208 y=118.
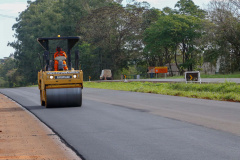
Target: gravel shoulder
x=23 y=136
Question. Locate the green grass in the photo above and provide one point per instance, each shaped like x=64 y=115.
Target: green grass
x=227 y=91
x=33 y=85
x=234 y=75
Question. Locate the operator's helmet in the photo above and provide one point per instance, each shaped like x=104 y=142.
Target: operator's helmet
x=58 y=48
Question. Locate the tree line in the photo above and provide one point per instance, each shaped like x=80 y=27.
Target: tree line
x=126 y=39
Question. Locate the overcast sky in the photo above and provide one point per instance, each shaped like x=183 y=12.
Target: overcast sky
x=10 y=9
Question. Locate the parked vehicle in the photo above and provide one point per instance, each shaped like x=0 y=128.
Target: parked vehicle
x=106 y=74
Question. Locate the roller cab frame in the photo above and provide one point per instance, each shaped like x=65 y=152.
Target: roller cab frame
x=61 y=88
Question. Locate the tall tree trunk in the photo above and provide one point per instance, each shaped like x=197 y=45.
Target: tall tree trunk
x=168 y=59
x=175 y=57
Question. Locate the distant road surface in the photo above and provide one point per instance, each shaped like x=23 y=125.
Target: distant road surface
x=119 y=125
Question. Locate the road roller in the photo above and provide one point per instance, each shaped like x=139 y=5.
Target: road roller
x=61 y=87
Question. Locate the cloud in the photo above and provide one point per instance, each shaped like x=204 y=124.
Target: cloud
x=12 y=8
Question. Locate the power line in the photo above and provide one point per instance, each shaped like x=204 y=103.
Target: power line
x=6 y=16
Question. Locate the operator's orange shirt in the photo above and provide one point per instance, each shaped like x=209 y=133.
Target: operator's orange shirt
x=60 y=53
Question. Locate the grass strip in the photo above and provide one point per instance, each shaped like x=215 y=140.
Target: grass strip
x=227 y=91
x=234 y=75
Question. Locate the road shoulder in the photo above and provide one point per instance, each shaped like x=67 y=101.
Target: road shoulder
x=23 y=136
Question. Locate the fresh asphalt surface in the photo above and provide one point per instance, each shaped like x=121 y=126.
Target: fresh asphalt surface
x=106 y=130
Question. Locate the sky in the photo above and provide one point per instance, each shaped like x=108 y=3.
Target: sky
x=10 y=9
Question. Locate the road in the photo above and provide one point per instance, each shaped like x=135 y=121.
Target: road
x=123 y=125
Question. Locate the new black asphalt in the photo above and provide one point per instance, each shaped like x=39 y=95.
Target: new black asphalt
x=103 y=129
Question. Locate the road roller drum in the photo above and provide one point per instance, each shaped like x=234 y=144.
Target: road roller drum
x=64 y=97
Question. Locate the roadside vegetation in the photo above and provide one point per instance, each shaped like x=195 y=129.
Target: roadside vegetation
x=231 y=75
x=227 y=91
x=126 y=38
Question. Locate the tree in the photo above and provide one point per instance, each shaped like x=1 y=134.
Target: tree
x=115 y=34
x=9 y=75
x=187 y=7
x=173 y=33
x=46 y=18
x=225 y=34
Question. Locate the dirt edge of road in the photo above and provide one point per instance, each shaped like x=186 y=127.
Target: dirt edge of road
x=24 y=136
